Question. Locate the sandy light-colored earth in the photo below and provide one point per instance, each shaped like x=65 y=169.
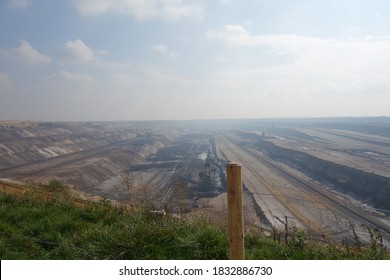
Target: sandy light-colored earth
x=92 y=157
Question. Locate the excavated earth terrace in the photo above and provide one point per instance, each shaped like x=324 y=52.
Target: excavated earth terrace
x=327 y=176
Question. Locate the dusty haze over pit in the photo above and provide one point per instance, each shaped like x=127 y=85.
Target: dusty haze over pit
x=324 y=175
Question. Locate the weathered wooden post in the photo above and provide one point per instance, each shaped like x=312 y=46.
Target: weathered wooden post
x=235 y=211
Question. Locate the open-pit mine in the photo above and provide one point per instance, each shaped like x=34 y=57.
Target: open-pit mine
x=330 y=177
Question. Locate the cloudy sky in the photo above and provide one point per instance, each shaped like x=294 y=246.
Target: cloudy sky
x=184 y=59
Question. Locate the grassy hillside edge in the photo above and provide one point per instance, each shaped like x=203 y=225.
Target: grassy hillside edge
x=45 y=222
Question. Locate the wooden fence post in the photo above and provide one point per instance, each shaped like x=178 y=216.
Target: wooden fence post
x=235 y=211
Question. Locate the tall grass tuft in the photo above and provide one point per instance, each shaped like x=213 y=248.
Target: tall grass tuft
x=48 y=227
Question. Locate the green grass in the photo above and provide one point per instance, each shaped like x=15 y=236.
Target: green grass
x=36 y=228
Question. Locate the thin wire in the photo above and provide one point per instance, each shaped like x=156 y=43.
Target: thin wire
x=307 y=200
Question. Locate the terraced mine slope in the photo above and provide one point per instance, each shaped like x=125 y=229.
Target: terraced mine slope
x=80 y=154
x=328 y=176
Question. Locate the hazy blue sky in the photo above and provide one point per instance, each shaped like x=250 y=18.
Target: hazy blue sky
x=179 y=59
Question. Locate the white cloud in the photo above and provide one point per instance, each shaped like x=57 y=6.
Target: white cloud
x=142 y=9
x=77 y=51
x=232 y=34
x=301 y=75
x=237 y=35
x=159 y=48
x=313 y=61
x=19 y=4
x=26 y=53
x=5 y=83
x=163 y=50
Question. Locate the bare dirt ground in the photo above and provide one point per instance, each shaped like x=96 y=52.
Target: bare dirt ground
x=91 y=157
x=361 y=151
x=84 y=155
x=283 y=192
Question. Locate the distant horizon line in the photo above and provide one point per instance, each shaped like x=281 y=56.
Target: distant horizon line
x=196 y=119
